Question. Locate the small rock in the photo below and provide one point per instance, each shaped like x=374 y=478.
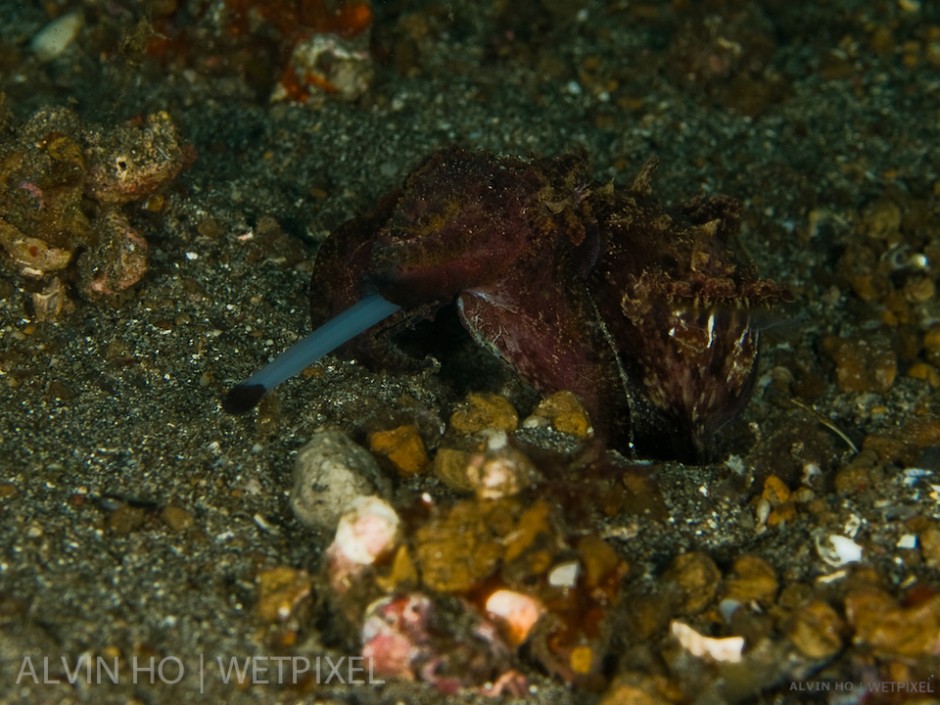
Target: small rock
x=500 y=472
x=403 y=447
x=775 y=491
x=726 y=649
x=919 y=290
x=462 y=547
x=401 y=576
x=367 y=531
x=816 y=630
x=564 y=575
x=639 y=689
x=450 y=467
x=777 y=495
x=55 y=37
x=563 y=412
x=326 y=65
x=752 y=580
x=881 y=219
x=929 y=540
x=858 y=265
x=176 y=518
x=134 y=159
x=394 y=634
x=890 y=630
x=52 y=301
x=329 y=473
x=280 y=591
x=694 y=577
x=926 y=373
x=120 y=259
x=858 y=476
x=582 y=661
x=932 y=344
x=862 y=364
x=516 y=612
x=838 y=550
x=600 y=561
x=905 y=444
x=33 y=256
x=483 y=411
x=410 y=637
x=531 y=545
x=126 y=519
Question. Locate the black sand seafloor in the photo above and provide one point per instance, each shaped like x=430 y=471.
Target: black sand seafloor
x=432 y=529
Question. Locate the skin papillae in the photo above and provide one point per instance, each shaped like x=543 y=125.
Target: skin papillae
x=643 y=313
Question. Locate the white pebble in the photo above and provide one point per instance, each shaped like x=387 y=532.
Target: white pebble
x=330 y=472
x=368 y=530
x=908 y=541
x=498 y=474
x=727 y=650
x=837 y=550
x=518 y=611
x=564 y=575
x=55 y=37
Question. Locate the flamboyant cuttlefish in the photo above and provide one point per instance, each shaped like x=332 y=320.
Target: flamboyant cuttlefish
x=644 y=314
